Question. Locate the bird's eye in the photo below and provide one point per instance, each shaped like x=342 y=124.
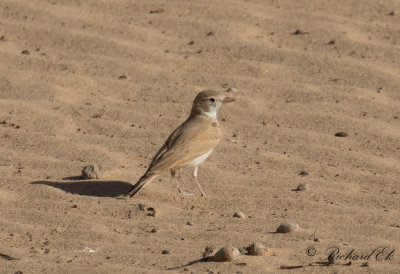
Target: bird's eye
x=212 y=100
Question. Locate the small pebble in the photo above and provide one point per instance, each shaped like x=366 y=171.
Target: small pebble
x=287 y=227
x=231 y=90
x=208 y=251
x=157 y=11
x=332 y=42
x=256 y=249
x=189 y=223
x=166 y=251
x=210 y=33
x=303 y=173
x=365 y=264
x=122 y=77
x=151 y=212
x=298 y=32
x=91 y=172
x=302 y=187
x=141 y=207
x=25 y=51
x=341 y=134
x=226 y=254
x=239 y=214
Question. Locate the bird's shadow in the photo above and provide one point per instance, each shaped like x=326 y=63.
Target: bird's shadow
x=90 y=187
x=202 y=260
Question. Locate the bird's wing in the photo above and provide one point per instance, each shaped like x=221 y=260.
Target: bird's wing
x=167 y=145
x=190 y=140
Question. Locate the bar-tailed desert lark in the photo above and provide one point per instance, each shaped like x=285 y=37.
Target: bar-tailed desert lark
x=191 y=143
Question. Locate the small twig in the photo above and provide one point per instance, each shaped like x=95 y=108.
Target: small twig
x=6 y=257
x=291 y=266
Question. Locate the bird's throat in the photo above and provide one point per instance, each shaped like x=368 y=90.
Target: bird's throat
x=211 y=114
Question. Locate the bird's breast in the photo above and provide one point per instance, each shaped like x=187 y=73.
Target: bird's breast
x=200 y=159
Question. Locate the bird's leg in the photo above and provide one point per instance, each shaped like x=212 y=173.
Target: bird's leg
x=196 y=169
x=176 y=181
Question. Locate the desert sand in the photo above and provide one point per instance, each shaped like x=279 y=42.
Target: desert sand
x=105 y=82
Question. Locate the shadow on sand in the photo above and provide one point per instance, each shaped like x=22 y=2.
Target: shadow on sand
x=202 y=260
x=90 y=188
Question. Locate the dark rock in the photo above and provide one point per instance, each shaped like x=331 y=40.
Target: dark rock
x=91 y=172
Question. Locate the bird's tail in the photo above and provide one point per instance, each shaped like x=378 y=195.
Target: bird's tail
x=144 y=180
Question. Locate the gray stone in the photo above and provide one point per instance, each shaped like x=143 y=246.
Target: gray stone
x=287 y=227
x=91 y=172
x=256 y=249
x=302 y=187
x=226 y=254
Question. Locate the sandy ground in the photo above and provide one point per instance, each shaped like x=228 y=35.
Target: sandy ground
x=105 y=82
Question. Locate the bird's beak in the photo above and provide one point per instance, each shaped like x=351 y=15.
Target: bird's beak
x=228 y=100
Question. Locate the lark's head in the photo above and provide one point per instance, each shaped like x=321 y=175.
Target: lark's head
x=208 y=102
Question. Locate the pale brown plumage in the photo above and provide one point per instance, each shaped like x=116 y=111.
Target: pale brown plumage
x=190 y=142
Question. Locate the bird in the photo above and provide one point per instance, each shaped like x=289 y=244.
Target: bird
x=189 y=144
